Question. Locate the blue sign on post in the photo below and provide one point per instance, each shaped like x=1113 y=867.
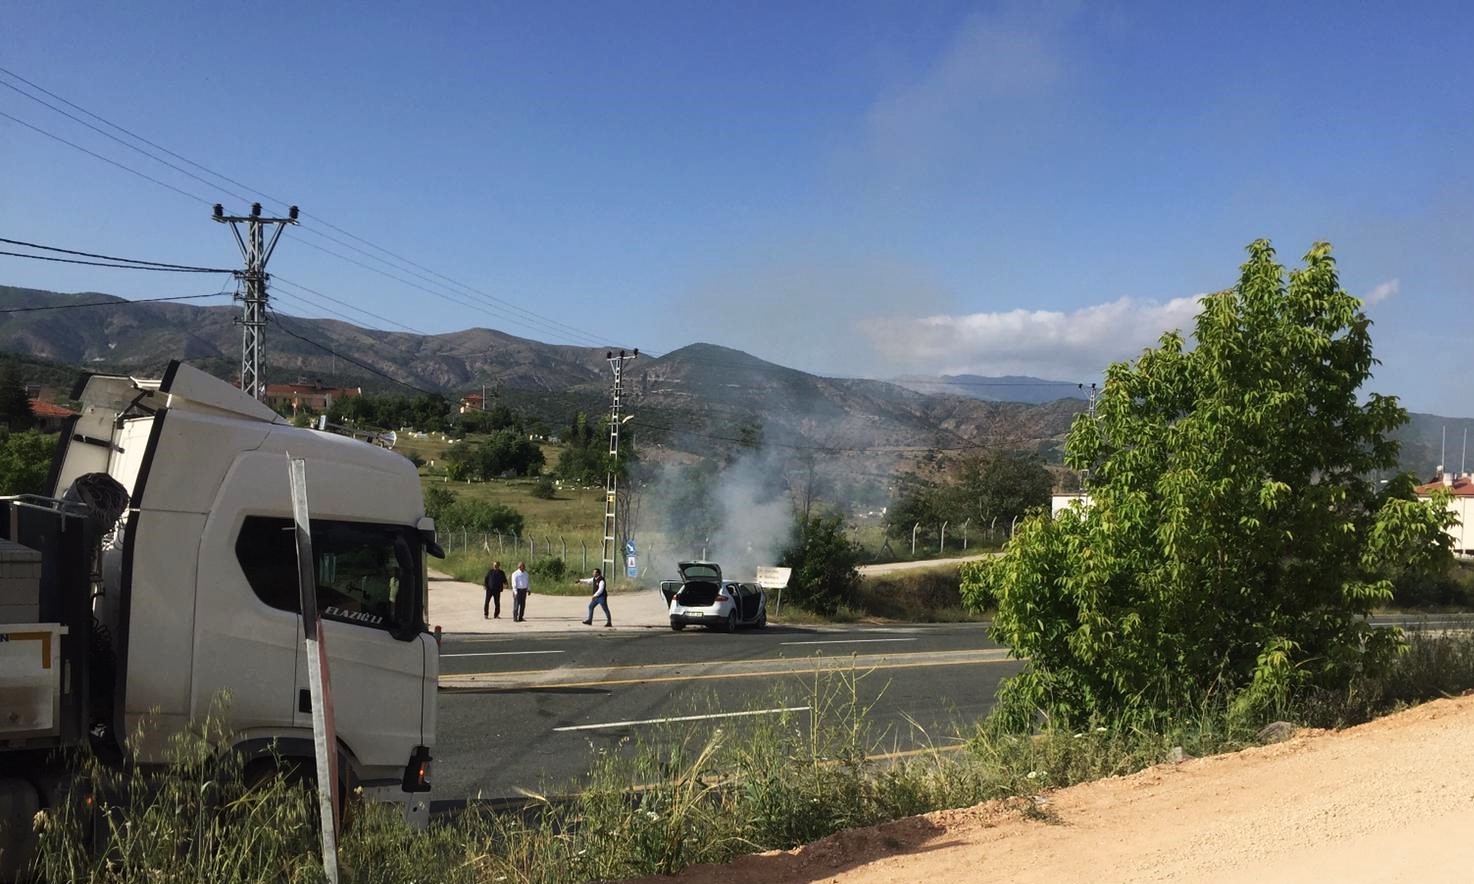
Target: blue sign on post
x=631 y=562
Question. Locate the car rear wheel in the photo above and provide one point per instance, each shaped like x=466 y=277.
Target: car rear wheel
x=677 y=625
x=731 y=622
x=762 y=619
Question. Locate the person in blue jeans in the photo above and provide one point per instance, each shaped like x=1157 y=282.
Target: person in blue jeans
x=600 y=599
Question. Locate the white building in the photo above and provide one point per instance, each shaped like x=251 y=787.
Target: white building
x=1461 y=504
x=1058 y=502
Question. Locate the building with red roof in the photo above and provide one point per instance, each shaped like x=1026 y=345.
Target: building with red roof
x=50 y=418
x=1461 y=503
x=312 y=396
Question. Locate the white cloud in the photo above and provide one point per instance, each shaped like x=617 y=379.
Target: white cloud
x=1383 y=291
x=1041 y=343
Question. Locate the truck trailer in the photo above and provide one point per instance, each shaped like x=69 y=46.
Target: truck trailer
x=160 y=573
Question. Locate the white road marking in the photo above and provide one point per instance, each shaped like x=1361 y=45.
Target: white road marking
x=850 y=641
x=502 y=653
x=608 y=724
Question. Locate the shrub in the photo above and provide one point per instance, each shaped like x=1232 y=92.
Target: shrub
x=553 y=569
x=479 y=516
x=543 y=489
x=1234 y=541
x=823 y=560
x=25 y=462
x=1450 y=588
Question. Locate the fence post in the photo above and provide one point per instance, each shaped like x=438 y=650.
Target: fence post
x=464 y=540
x=499 y=547
x=531 y=548
x=564 y=541
x=585 y=545
x=942 y=547
x=1012 y=527
x=703 y=548
x=992 y=529
x=964 y=534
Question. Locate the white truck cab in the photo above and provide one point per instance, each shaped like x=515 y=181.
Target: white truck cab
x=194 y=592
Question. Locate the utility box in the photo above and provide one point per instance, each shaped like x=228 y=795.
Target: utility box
x=30 y=680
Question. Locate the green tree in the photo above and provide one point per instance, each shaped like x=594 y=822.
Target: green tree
x=1235 y=540
x=25 y=462
x=823 y=559
x=983 y=486
x=506 y=453
x=15 y=405
x=437 y=501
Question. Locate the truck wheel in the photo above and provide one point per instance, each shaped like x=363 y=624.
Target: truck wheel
x=731 y=622
x=299 y=773
x=677 y=625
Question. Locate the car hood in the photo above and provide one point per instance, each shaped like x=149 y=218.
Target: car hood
x=706 y=571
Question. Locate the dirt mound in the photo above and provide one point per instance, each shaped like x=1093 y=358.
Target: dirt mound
x=1392 y=800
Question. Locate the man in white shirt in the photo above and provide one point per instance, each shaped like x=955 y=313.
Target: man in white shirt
x=600 y=598
x=521 y=586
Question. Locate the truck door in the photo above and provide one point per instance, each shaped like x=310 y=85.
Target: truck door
x=369 y=594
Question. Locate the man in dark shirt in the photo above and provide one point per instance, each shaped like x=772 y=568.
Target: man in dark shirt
x=495 y=582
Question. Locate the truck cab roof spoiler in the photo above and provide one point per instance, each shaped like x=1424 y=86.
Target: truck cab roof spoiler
x=182 y=387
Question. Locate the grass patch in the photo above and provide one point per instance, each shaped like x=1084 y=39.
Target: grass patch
x=702 y=793
x=931 y=595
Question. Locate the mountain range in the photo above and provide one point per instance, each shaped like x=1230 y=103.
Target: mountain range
x=698 y=399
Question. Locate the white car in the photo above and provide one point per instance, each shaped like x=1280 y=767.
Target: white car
x=702 y=598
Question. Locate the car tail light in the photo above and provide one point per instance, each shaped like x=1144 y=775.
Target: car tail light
x=723 y=597
x=417 y=772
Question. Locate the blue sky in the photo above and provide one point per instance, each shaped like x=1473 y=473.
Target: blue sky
x=855 y=188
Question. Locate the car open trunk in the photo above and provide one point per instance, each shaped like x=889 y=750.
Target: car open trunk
x=698 y=594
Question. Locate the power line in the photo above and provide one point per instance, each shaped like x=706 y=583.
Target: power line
x=280 y=280
x=544 y=324
x=109 y=135
x=306 y=301
x=115 y=266
x=540 y=323
x=159 y=265
x=122 y=303
x=444 y=296
x=277 y=316
x=130 y=170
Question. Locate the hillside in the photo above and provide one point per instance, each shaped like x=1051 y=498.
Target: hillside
x=699 y=399
x=1003 y=388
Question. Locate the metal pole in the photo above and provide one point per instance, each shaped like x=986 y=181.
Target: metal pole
x=319 y=685
x=611 y=481
x=942 y=547
x=914 y=529
x=964 y=534
x=256 y=251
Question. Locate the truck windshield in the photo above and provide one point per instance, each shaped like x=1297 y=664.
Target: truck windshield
x=367 y=574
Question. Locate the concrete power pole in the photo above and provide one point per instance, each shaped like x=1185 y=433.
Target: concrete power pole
x=256 y=252
x=611 y=482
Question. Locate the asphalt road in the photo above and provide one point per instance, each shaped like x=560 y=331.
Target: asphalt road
x=529 y=712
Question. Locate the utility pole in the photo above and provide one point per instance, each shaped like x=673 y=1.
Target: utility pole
x=256 y=252
x=611 y=483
